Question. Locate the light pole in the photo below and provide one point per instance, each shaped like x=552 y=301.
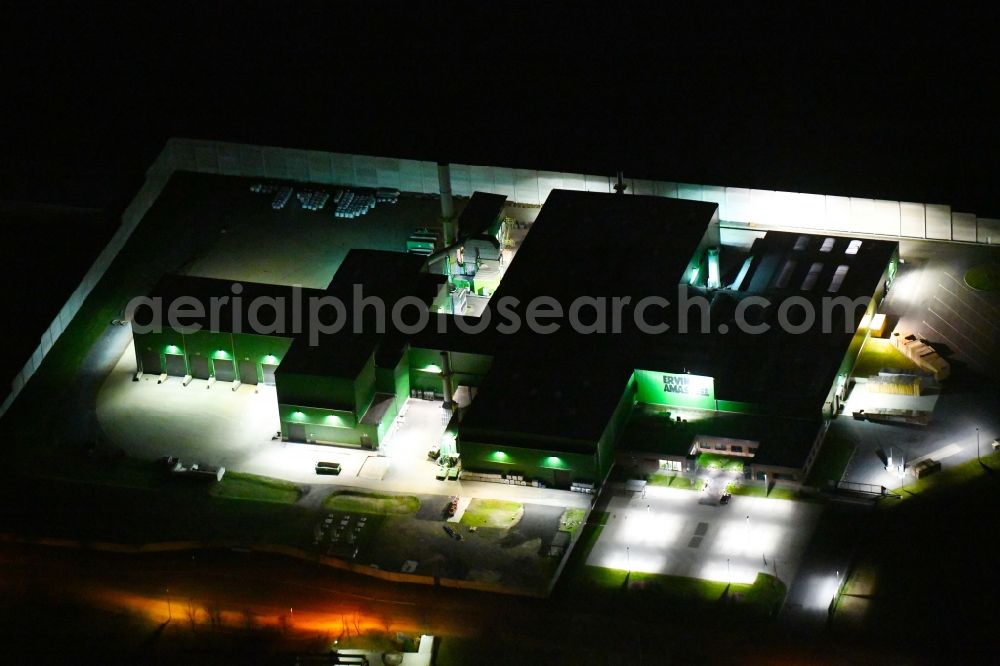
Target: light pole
x=729 y=571
x=978 y=457
x=170 y=612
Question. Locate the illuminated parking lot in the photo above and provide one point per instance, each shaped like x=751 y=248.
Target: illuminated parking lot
x=671 y=532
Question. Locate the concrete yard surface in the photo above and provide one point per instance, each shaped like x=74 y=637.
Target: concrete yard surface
x=235 y=429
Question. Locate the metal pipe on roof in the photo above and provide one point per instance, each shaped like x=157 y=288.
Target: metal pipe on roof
x=447 y=204
x=446 y=380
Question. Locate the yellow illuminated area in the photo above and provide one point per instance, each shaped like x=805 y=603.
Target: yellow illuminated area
x=877 y=325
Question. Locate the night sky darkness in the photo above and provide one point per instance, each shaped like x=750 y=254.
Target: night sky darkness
x=896 y=103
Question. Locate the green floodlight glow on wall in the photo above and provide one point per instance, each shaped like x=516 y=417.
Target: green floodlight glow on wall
x=172 y=349
x=677 y=389
x=555 y=461
x=436 y=369
x=694 y=275
x=498 y=455
x=298 y=415
x=220 y=353
x=271 y=359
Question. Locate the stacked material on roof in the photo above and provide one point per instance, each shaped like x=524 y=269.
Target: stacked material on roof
x=894 y=384
x=313 y=199
x=354 y=204
x=281 y=198
x=924 y=356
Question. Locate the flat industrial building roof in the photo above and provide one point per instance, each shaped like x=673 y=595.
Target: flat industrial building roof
x=233 y=308
x=383 y=276
x=567 y=384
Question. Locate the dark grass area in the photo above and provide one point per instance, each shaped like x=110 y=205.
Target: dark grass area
x=674 y=481
x=34 y=290
x=171 y=510
x=831 y=461
x=37 y=627
x=372 y=503
x=932 y=558
x=770 y=491
x=239 y=485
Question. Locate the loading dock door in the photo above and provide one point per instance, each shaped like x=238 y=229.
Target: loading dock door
x=248 y=372
x=268 y=372
x=175 y=365
x=297 y=432
x=225 y=371
x=199 y=367
x=563 y=478
x=151 y=362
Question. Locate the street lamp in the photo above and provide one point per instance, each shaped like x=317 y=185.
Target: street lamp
x=729 y=571
x=978 y=456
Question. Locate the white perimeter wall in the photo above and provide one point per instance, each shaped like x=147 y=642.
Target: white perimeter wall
x=754 y=209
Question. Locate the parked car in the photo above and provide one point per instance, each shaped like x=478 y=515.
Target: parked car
x=328 y=468
x=452 y=533
x=725 y=498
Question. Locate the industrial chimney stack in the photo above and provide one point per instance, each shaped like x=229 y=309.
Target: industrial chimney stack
x=447 y=205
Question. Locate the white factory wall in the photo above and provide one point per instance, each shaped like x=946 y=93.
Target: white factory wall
x=753 y=209
x=737 y=205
